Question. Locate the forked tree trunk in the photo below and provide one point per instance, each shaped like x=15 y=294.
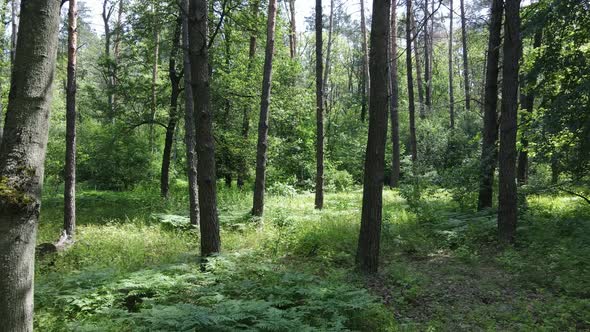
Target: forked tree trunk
x=175 y=79
x=410 y=77
x=22 y=158
x=189 y=121
x=261 y=151
x=367 y=256
x=394 y=99
x=205 y=146
x=451 y=84
x=465 y=58
x=366 y=93
x=70 y=166
x=507 y=197
x=489 y=150
x=319 y=97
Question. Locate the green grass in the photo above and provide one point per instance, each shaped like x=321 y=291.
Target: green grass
x=294 y=269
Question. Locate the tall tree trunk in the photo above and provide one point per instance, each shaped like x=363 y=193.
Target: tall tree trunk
x=328 y=49
x=528 y=101
x=451 y=84
x=175 y=79
x=242 y=173
x=117 y=51
x=293 y=29
x=366 y=93
x=507 y=204
x=14 y=36
x=465 y=58
x=394 y=101
x=106 y=16
x=418 y=68
x=70 y=166
x=154 y=94
x=207 y=179
x=189 y=121
x=261 y=151
x=22 y=158
x=367 y=255
x=489 y=150
x=3 y=13
x=410 y=77
x=319 y=97
x=427 y=61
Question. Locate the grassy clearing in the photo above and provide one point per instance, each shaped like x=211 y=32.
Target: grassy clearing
x=294 y=270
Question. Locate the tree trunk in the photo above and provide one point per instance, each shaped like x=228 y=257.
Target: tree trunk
x=106 y=16
x=14 y=36
x=427 y=67
x=411 y=104
x=207 y=180
x=451 y=87
x=3 y=19
x=418 y=68
x=328 y=50
x=366 y=77
x=528 y=101
x=465 y=58
x=507 y=204
x=261 y=150
x=154 y=94
x=319 y=182
x=242 y=173
x=489 y=149
x=22 y=158
x=367 y=256
x=293 y=30
x=70 y=166
x=175 y=79
x=189 y=122
x=394 y=101
x=117 y=52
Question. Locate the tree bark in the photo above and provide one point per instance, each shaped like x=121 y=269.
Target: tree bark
x=465 y=58
x=117 y=52
x=106 y=16
x=175 y=79
x=418 y=68
x=367 y=256
x=293 y=29
x=14 y=36
x=189 y=121
x=319 y=182
x=366 y=76
x=451 y=87
x=242 y=173
x=207 y=179
x=154 y=94
x=3 y=19
x=507 y=203
x=527 y=104
x=427 y=61
x=70 y=166
x=489 y=150
x=261 y=151
x=22 y=158
x=394 y=99
x=410 y=77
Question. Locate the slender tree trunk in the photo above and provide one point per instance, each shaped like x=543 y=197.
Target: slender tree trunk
x=175 y=79
x=3 y=14
x=117 y=52
x=427 y=63
x=528 y=101
x=411 y=103
x=367 y=256
x=328 y=50
x=507 y=204
x=189 y=121
x=451 y=84
x=261 y=151
x=242 y=173
x=154 y=94
x=366 y=76
x=319 y=183
x=418 y=68
x=489 y=150
x=394 y=99
x=465 y=58
x=207 y=179
x=106 y=16
x=22 y=158
x=70 y=166
x=14 y=36
x=293 y=29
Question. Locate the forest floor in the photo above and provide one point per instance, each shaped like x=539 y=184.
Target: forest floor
x=135 y=266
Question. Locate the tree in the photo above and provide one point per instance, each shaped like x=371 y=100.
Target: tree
x=292 y=30
x=205 y=146
x=451 y=93
x=319 y=95
x=3 y=13
x=14 y=22
x=366 y=91
x=489 y=149
x=189 y=122
x=465 y=57
x=415 y=39
x=22 y=158
x=507 y=196
x=70 y=166
x=261 y=150
x=410 y=77
x=394 y=99
x=427 y=58
x=154 y=94
x=367 y=256
x=107 y=12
